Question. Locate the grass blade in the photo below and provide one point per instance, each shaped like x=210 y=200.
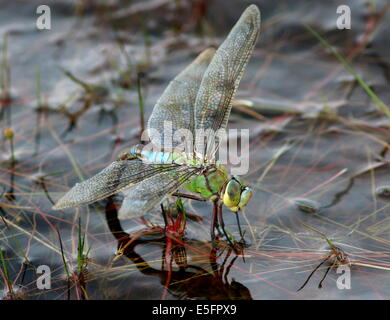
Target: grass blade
x=358 y=79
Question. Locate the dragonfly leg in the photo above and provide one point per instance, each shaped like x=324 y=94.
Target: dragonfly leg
x=214 y=220
x=222 y=224
x=164 y=214
x=188 y=196
x=239 y=228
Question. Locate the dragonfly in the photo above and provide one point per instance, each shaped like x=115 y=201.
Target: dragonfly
x=198 y=98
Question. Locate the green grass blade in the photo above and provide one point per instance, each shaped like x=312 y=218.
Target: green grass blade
x=341 y=59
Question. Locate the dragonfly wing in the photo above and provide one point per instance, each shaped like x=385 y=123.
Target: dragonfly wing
x=223 y=75
x=142 y=197
x=132 y=208
x=177 y=102
x=117 y=176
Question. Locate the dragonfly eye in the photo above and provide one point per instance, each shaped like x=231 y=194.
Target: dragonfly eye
x=231 y=196
x=246 y=195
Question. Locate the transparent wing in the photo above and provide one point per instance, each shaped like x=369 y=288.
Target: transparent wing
x=142 y=197
x=223 y=75
x=133 y=208
x=177 y=102
x=117 y=176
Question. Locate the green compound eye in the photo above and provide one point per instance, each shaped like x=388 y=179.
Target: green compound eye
x=231 y=197
x=246 y=195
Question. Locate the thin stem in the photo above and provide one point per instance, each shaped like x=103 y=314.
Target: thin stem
x=331 y=245
x=141 y=104
x=63 y=255
x=358 y=79
x=188 y=196
x=11 y=142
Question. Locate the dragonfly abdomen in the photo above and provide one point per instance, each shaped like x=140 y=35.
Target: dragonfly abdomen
x=156 y=157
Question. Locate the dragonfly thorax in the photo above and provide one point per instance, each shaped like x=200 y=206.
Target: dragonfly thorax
x=215 y=183
x=209 y=183
x=212 y=183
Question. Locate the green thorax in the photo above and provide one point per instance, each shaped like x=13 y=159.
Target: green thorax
x=217 y=176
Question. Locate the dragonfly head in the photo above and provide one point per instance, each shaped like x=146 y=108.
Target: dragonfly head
x=236 y=194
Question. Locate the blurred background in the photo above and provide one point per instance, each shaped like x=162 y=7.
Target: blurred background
x=71 y=100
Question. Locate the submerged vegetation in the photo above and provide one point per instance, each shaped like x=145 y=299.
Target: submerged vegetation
x=314 y=98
